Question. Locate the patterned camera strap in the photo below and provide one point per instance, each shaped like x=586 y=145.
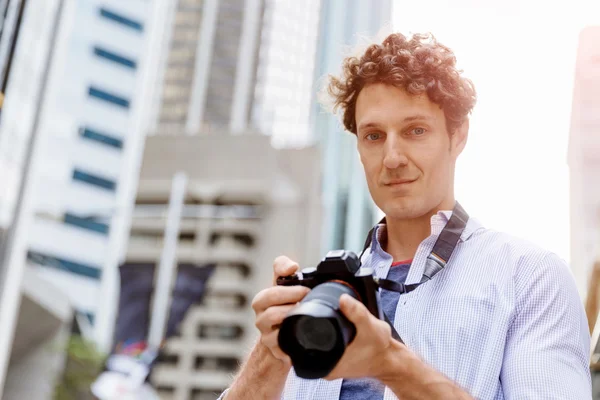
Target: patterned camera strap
x=436 y=260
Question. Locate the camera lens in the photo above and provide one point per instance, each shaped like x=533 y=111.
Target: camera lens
x=315 y=333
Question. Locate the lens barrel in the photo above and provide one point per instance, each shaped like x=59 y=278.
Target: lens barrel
x=315 y=334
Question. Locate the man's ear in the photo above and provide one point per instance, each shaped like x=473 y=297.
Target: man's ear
x=458 y=141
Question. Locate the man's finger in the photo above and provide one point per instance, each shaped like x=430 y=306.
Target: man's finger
x=272 y=317
x=284 y=266
x=271 y=340
x=278 y=295
x=354 y=310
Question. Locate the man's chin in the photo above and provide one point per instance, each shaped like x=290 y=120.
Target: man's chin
x=406 y=209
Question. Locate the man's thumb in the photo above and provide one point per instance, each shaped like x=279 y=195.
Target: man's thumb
x=353 y=309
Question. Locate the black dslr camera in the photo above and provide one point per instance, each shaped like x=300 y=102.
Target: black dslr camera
x=315 y=333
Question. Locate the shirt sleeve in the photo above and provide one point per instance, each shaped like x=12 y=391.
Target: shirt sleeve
x=548 y=344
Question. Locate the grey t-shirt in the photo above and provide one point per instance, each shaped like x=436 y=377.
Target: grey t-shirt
x=366 y=388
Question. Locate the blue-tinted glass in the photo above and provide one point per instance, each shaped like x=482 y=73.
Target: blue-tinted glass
x=102 y=138
x=109 y=55
x=94 y=180
x=109 y=97
x=120 y=19
x=64 y=265
x=90 y=316
x=86 y=223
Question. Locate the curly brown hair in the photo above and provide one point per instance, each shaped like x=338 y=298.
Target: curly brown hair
x=419 y=64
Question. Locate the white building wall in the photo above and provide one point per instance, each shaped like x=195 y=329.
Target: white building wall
x=84 y=133
x=86 y=154
x=34 y=53
x=283 y=184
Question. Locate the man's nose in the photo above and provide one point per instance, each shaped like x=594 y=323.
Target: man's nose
x=394 y=156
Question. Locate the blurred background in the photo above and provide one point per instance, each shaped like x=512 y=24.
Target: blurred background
x=157 y=155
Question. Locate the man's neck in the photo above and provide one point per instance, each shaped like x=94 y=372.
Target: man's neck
x=405 y=235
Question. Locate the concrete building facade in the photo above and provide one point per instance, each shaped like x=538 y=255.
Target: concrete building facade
x=278 y=213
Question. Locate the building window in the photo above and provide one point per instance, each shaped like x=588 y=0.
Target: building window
x=103 y=138
x=64 y=265
x=120 y=19
x=108 y=97
x=89 y=224
x=114 y=57
x=91 y=317
x=95 y=180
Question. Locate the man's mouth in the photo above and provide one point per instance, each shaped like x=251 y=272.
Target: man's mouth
x=399 y=182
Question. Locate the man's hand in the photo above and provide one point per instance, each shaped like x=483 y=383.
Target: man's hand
x=365 y=355
x=264 y=374
x=272 y=305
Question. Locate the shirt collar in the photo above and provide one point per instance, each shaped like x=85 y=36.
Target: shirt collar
x=438 y=222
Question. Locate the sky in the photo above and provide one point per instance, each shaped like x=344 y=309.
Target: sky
x=513 y=175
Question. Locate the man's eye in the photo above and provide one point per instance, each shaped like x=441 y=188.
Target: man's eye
x=418 y=131
x=373 y=136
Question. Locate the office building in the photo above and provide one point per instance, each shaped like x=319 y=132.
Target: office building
x=240 y=66
x=209 y=74
x=92 y=135
x=76 y=77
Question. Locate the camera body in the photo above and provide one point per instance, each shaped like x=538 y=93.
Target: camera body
x=315 y=333
x=342 y=267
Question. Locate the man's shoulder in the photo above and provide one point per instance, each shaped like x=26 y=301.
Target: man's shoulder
x=522 y=254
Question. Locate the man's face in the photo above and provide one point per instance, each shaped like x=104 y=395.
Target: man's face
x=406 y=150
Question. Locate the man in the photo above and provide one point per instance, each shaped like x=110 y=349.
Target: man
x=502 y=320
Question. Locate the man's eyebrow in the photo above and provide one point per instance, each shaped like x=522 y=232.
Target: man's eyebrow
x=418 y=117
x=411 y=118
x=365 y=125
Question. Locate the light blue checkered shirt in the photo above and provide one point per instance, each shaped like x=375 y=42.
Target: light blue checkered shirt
x=503 y=320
